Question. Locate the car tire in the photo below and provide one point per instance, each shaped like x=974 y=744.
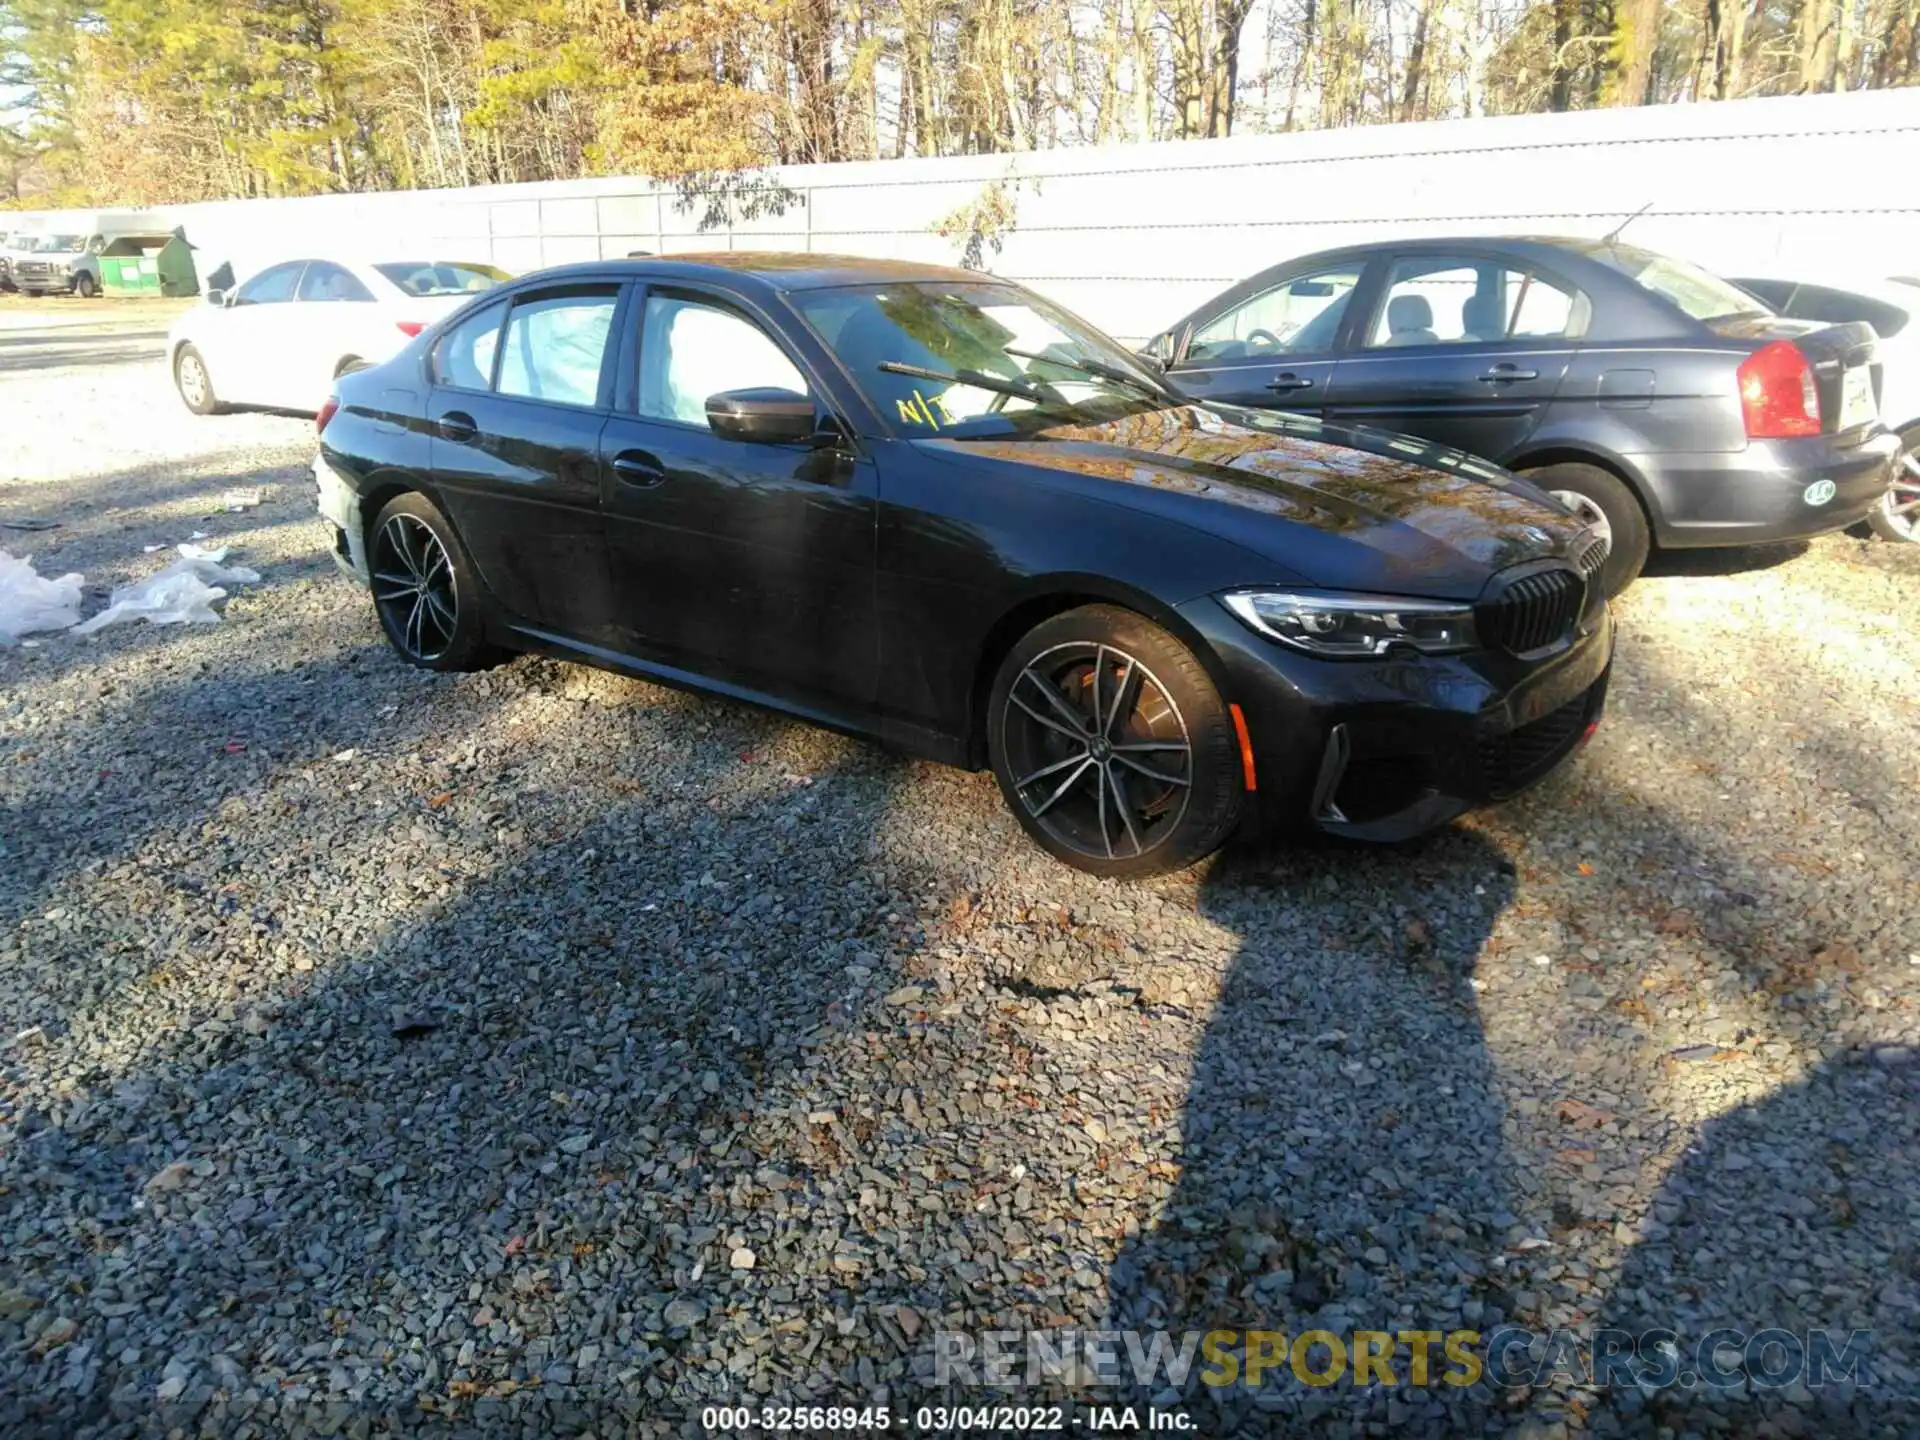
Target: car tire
x=425 y=590
x=86 y=287
x=195 y=382
x=1112 y=747
x=348 y=365
x=1892 y=519
x=1600 y=496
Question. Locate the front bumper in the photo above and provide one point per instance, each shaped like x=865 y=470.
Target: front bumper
x=31 y=276
x=1387 y=750
x=340 y=507
x=1771 y=491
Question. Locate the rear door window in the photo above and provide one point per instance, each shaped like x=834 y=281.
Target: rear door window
x=555 y=346
x=1440 y=300
x=325 y=281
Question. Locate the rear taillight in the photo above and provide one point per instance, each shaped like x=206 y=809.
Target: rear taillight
x=326 y=413
x=411 y=328
x=1777 y=397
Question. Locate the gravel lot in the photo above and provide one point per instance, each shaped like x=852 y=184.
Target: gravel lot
x=544 y=1052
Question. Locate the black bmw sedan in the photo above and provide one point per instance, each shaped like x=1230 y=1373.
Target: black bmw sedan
x=1658 y=401
x=928 y=506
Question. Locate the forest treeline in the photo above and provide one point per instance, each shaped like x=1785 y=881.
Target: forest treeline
x=157 y=101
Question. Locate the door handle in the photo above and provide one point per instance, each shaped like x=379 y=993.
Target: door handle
x=1286 y=380
x=636 y=467
x=457 y=425
x=1504 y=372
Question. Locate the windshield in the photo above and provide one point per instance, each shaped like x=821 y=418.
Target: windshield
x=53 y=244
x=1701 y=295
x=1029 y=363
x=424 y=279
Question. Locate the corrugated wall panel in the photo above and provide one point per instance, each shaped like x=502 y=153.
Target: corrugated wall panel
x=1135 y=235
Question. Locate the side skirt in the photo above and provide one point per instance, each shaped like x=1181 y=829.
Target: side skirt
x=911 y=739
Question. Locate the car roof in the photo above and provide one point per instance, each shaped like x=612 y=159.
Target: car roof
x=1901 y=291
x=775 y=269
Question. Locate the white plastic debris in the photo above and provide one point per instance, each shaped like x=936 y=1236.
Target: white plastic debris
x=215 y=553
x=183 y=592
x=242 y=497
x=29 y=603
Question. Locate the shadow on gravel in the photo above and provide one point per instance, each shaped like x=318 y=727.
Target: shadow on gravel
x=1303 y=1201
x=1730 y=560
x=535 y=1090
x=66 y=356
x=1793 y=1215
x=73 y=335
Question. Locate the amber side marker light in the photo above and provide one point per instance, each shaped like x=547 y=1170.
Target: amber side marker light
x=1246 y=745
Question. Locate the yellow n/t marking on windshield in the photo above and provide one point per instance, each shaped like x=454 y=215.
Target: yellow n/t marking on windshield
x=917 y=411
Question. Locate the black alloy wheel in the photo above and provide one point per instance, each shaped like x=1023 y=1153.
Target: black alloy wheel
x=424 y=588
x=1111 y=745
x=413 y=586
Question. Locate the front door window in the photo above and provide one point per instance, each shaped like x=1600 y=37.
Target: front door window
x=1300 y=316
x=690 y=350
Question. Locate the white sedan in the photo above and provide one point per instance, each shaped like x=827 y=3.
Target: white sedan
x=1892 y=306
x=280 y=339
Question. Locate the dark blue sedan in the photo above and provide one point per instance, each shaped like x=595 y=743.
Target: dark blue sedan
x=1661 y=403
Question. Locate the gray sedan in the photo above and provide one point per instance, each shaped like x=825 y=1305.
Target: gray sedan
x=1659 y=402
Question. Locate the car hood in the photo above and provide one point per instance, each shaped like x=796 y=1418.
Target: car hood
x=1343 y=507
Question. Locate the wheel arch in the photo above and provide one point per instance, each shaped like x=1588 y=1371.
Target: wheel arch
x=1041 y=600
x=1565 y=454
x=383 y=487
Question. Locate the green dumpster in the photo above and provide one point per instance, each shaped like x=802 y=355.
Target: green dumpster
x=148 y=265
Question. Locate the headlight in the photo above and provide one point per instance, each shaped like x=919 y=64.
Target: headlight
x=1344 y=626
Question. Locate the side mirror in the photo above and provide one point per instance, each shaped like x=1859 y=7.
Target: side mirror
x=765 y=415
x=216 y=297
x=1155 y=362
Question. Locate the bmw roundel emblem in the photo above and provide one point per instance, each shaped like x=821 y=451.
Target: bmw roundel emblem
x=1819 y=492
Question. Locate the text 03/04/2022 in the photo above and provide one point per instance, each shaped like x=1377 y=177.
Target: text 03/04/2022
x=945 y=1419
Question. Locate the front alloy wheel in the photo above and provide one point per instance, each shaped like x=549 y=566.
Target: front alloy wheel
x=1112 y=746
x=1897 y=516
x=1102 y=758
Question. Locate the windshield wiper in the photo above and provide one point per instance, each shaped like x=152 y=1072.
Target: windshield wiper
x=978 y=379
x=1096 y=368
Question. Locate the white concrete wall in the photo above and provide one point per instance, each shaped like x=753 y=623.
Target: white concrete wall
x=1132 y=236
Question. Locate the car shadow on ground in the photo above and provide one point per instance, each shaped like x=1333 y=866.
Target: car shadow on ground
x=1788 y=1226
x=1725 y=560
x=1303 y=1202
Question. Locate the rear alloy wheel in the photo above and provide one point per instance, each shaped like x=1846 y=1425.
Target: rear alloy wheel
x=424 y=588
x=1112 y=746
x=1897 y=517
x=1602 y=500
x=195 y=385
